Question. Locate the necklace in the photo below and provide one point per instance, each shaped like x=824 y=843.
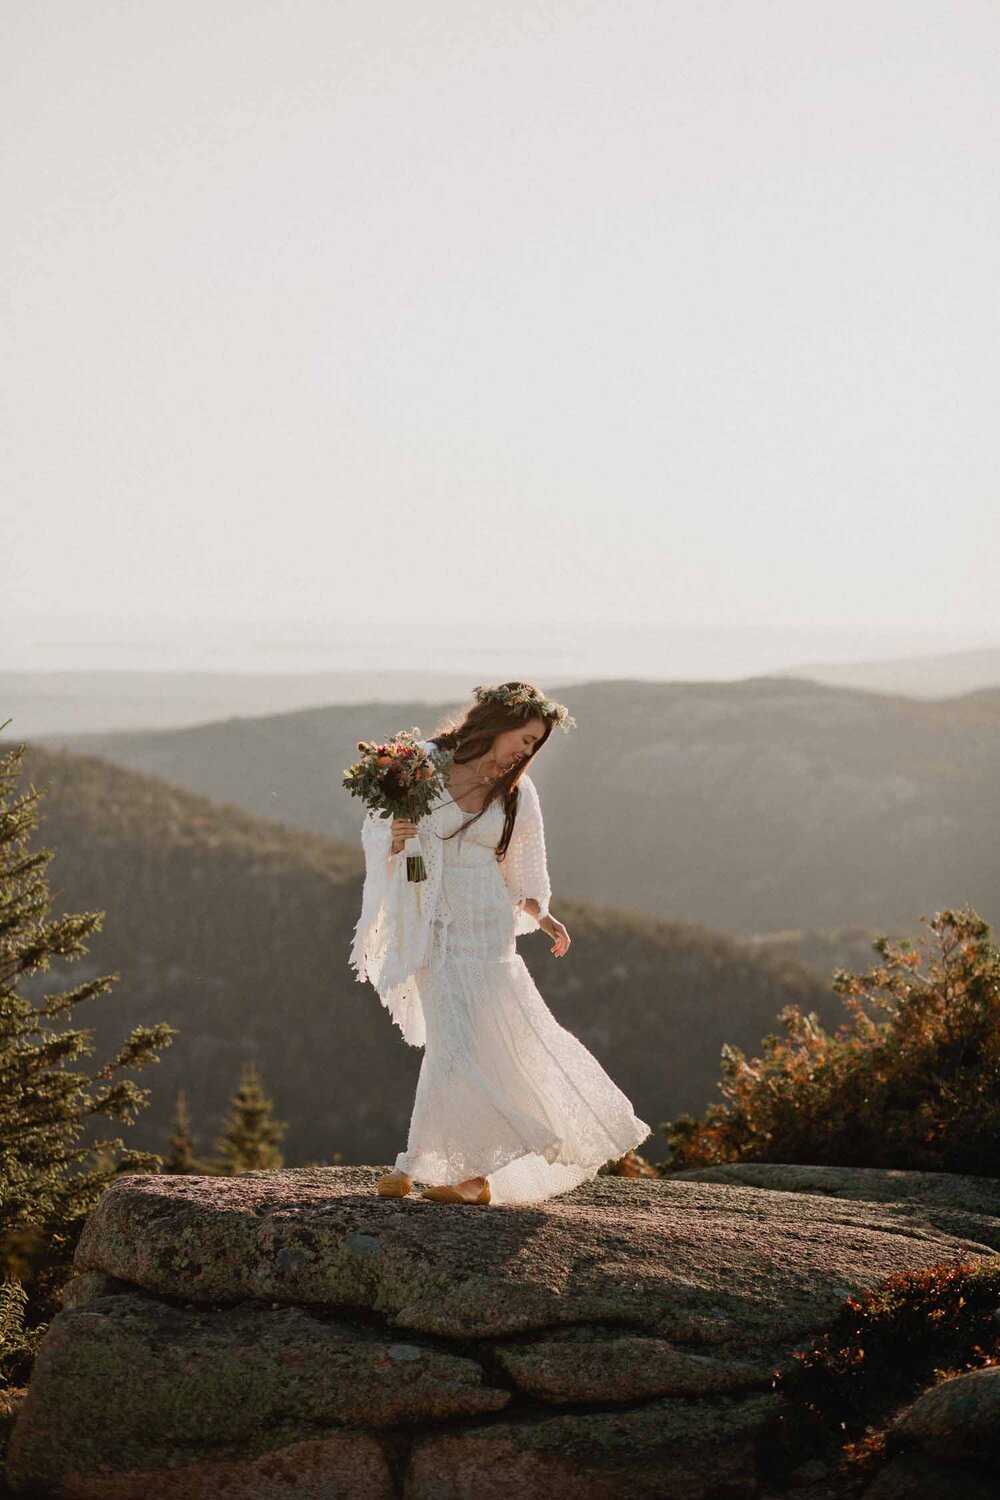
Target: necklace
x=478 y=780
x=481 y=780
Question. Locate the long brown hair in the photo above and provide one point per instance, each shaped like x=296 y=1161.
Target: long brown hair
x=471 y=733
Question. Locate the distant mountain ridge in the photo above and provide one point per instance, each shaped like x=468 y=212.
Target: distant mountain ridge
x=65 y=705
x=946 y=675
x=748 y=807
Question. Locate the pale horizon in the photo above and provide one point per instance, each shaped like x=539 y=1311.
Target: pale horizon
x=484 y=650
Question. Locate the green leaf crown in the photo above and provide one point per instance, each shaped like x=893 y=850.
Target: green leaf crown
x=528 y=697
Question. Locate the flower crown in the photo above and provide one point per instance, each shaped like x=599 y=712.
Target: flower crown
x=528 y=697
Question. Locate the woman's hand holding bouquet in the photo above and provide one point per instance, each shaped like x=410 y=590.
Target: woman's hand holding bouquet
x=398 y=779
x=402 y=829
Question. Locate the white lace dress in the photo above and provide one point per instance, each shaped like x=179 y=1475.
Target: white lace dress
x=504 y=1090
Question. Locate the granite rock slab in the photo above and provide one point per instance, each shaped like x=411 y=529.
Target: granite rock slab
x=292 y=1333
x=961 y=1205
x=691 y=1261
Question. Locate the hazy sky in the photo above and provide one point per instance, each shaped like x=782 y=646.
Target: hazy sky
x=650 y=312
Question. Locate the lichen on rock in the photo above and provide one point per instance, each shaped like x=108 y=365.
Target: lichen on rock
x=241 y=1332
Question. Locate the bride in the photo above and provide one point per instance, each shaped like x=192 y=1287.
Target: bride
x=510 y=1107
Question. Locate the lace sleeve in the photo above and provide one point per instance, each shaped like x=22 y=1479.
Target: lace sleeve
x=524 y=866
x=370 y=932
x=381 y=945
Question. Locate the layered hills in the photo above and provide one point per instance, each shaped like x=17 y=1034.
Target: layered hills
x=751 y=807
x=236 y=929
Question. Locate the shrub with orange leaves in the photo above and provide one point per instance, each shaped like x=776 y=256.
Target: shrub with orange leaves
x=913 y=1084
x=884 y=1346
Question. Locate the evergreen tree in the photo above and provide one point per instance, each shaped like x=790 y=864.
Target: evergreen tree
x=249 y=1140
x=49 y=1179
x=180 y=1157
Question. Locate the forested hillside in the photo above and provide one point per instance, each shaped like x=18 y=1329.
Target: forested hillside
x=236 y=930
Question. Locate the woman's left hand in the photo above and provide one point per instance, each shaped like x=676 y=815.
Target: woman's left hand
x=555 y=929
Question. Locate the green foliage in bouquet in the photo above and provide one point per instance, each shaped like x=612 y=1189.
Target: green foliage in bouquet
x=919 y=1090
x=398 y=778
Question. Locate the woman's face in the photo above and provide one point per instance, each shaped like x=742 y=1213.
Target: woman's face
x=517 y=744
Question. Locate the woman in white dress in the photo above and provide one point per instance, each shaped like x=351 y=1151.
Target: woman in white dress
x=510 y=1107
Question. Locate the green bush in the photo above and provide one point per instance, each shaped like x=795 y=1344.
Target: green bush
x=919 y=1089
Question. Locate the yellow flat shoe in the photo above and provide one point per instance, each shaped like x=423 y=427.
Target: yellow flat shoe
x=449 y=1194
x=395 y=1185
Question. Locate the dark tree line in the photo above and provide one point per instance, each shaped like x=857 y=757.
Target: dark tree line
x=54 y=1161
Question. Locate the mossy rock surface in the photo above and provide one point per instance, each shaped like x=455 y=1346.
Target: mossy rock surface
x=964 y=1206
x=692 y=1261
x=957 y=1420
x=183 y=1381
x=291 y=1332
x=666 y=1450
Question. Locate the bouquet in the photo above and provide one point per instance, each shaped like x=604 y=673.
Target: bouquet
x=399 y=779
